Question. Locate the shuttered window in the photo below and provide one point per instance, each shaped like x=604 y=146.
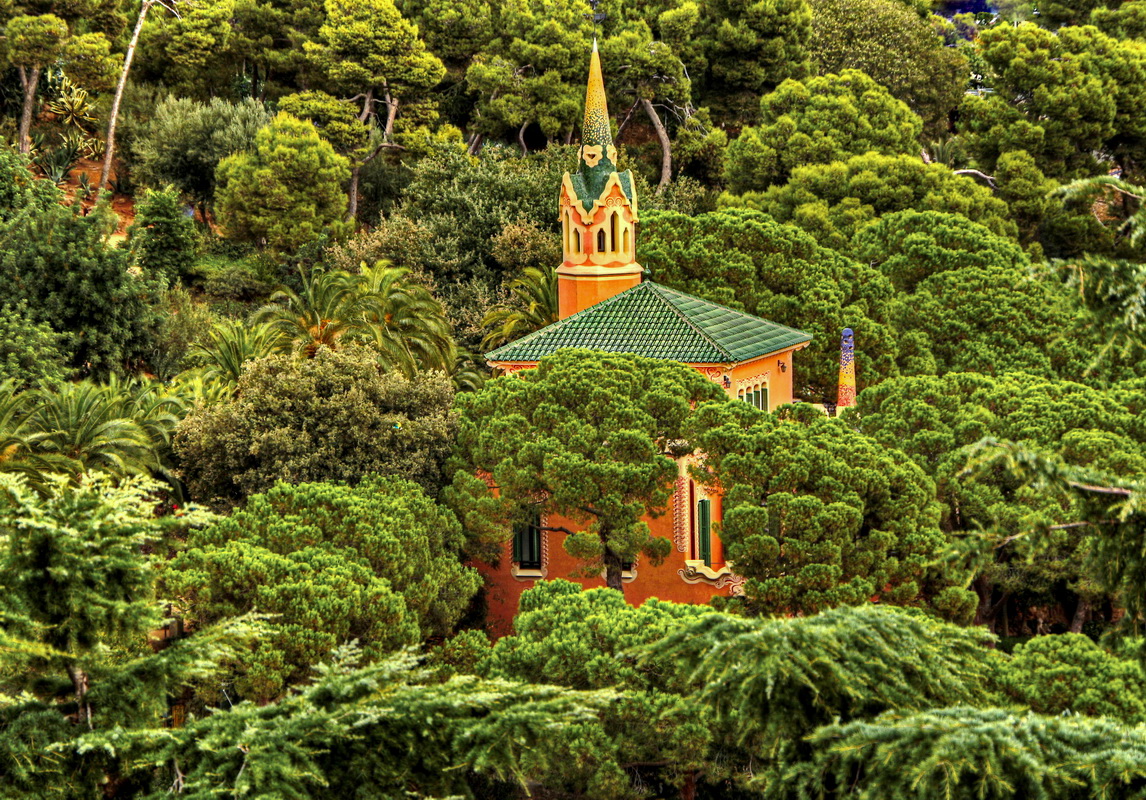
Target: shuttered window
x=527 y=544
x=704 y=530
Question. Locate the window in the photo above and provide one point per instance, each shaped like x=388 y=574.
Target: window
x=527 y=543
x=601 y=241
x=756 y=395
x=613 y=231
x=704 y=531
x=625 y=239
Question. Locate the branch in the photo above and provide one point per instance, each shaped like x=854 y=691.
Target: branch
x=558 y=529
x=988 y=178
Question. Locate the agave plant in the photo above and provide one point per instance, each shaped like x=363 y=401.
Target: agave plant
x=56 y=163
x=73 y=107
x=532 y=306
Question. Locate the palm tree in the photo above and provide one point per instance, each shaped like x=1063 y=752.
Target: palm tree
x=84 y=426
x=532 y=306
x=410 y=325
x=329 y=308
x=379 y=307
x=232 y=344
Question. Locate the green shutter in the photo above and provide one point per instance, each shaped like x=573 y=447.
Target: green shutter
x=527 y=544
x=704 y=530
x=764 y=399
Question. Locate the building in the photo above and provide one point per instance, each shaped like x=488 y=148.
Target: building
x=606 y=304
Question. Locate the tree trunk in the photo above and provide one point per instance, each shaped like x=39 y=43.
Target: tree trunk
x=113 y=115
x=612 y=568
x=80 y=685
x=475 y=145
x=521 y=138
x=352 y=206
x=688 y=790
x=985 y=613
x=666 y=145
x=1081 y=615
x=391 y=115
x=29 y=80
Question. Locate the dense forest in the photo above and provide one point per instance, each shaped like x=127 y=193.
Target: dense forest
x=253 y=252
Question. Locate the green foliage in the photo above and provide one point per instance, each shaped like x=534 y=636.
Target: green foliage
x=185 y=140
x=78 y=604
x=770 y=683
x=1061 y=96
x=286 y=191
x=337 y=416
x=379 y=307
x=61 y=264
x=381 y=724
x=897 y=46
x=162 y=239
x=968 y=754
x=835 y=201
x=30 y=352
x=587 y=435
x=376 y=562
x=745 y=49
x=586 y=640
x=1070 y=673
x=336 y=120
x=817 y=515
x=934 y=420
x=457 y=206
x=821 y=120
x=744 y=259
x=19 y=189
x=966 y=299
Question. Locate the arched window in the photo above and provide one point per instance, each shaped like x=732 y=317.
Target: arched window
x=601 y=240
x=625 y=240
x=613 y=231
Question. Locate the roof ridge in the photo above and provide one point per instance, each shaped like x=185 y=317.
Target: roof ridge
x=715 y=344
x=726 y=308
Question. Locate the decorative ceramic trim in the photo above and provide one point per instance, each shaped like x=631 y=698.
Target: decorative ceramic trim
x=695 y=571
x=680 y=513
x=761 y=378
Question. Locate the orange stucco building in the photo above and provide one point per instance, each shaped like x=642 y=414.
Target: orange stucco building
x=606 y=304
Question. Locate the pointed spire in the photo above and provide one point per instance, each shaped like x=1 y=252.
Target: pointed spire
x=598 y=156
x=596 y=131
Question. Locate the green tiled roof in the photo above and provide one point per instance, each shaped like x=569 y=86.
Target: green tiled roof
x=657 y=322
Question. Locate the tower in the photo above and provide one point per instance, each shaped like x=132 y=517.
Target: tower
x=847 y=386
x=598 y=207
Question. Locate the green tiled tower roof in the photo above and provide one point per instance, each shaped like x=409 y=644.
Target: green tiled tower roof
x=658 y=322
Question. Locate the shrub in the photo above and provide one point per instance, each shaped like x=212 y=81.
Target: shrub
x=337 y=416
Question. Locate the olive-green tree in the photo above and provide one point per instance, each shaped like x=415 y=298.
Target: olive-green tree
x=820 y=120
x=817 y=515
x=79 y=604
x=367 y=49
x=898 y=46
x=287 y=191
x=834 y=201
x=337 y=416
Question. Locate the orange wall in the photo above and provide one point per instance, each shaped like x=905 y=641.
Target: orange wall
x=664 y=582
